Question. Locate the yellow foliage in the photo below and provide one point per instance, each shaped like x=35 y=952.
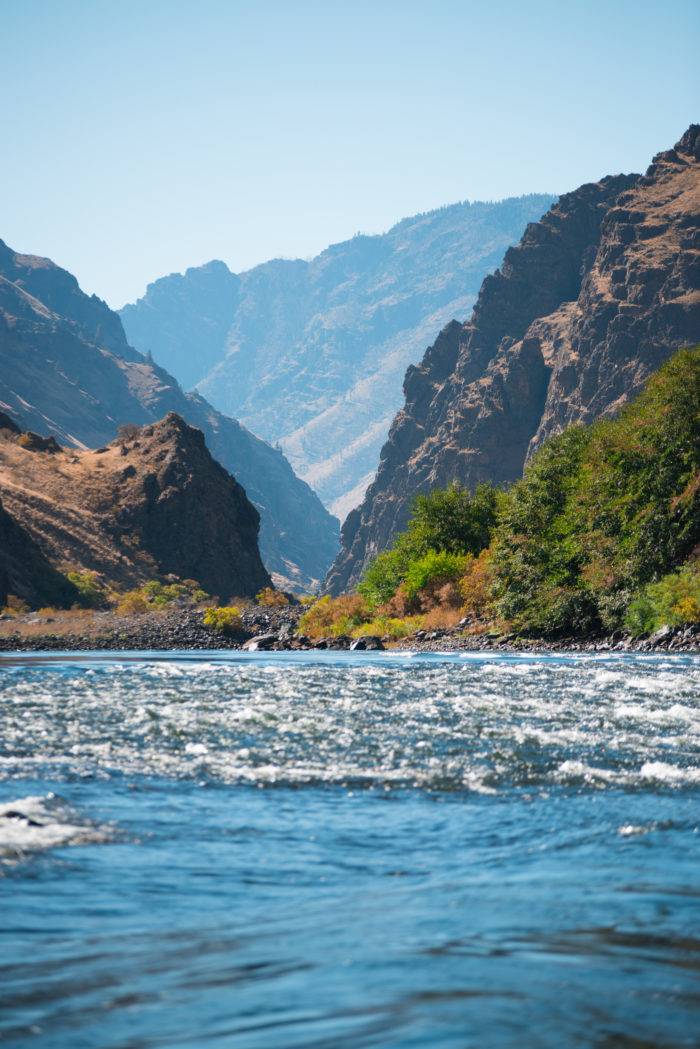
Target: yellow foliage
x=225 y=620
x=389 y=626
x=334 y=616
x=270 y=598
x=687 y=609
x=133 y=603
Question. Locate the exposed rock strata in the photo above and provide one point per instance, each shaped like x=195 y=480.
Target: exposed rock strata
x=594 y=298
x=143 y=507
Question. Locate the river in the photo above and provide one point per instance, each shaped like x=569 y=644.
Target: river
x=345 y=850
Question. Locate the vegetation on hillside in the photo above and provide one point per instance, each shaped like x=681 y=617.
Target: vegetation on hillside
x=601 y=533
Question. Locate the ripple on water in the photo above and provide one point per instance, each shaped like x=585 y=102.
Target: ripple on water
x=442 y=723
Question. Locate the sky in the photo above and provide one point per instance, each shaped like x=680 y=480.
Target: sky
x=140 y=138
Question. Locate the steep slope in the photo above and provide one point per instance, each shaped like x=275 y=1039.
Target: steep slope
x=66 y=369
x=312 y=354
x=594 y=298
x=153 y=504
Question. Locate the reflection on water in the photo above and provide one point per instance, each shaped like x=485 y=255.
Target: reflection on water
x=326 y=850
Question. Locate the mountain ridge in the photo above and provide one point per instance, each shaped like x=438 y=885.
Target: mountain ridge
x=67 y=369
x=594 y=298
x=316 y=350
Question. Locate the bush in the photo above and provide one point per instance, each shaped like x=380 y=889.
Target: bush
x=431 y=572
x=476 y=587
x=225 y=620
x=163 y=594
x=447 y=520
x=270 y=598
x=335 y=616
x=133 y=604
x=453 y=520
x=389 y=626
x=91 y=592
x=386 y=573
x=673 y=601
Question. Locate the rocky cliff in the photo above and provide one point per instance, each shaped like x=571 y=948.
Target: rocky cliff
x=150 y=504
x=595 y=297
x=312 y=353
x=66 y=369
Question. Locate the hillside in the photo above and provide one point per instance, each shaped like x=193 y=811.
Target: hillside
x=66 y=369
x=596 y=296
x=312 y=354
x=145 y=506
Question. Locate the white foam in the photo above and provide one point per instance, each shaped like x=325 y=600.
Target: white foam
x=36 y=823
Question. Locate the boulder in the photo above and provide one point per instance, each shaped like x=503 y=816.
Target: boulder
x=261 y=643
x=367 y=644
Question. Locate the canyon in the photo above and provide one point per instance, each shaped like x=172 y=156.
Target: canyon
x=595 y=297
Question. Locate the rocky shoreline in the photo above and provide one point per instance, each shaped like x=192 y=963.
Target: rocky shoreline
x=276 y=630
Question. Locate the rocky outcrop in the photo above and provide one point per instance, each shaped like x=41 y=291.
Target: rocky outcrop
x=67 y=370
x=594 y=298
x=153 y=503
x=312 y=354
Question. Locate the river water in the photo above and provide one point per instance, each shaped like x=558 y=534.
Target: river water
x=336 y=851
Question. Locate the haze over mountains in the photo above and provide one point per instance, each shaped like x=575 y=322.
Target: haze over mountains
x=596 y=296
x=67 y=370
x=312 y=354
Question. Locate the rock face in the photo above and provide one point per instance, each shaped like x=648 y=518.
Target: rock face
x=312 y=354
x=67 y=370
x=594 y=298
x=146 y=506
x=24 y=570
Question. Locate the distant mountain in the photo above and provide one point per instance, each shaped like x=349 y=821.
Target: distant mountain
x=66 y=369
x=151 y=504
x=596 y=296
x=312 y=354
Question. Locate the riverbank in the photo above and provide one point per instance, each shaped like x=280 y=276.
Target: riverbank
x=276 y=630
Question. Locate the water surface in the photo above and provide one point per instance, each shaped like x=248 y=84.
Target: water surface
x=349 y=850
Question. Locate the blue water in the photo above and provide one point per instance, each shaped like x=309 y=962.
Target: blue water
x=344 y=850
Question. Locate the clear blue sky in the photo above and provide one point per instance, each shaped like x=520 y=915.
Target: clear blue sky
x=143 y=137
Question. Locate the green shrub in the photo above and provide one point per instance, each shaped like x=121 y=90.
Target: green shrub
x=434 y=569
x=454 y=520
x=160 y=595
x=448 y=520
x=673 y=601
x=225 y=620
x=91 y=592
